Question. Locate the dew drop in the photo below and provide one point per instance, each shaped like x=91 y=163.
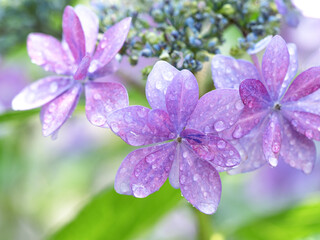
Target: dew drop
x=219 y=126
x=273 y=161
x=185 y=154
x=98 y=119
x=124 y=188
x=97 y=96
x=150 y=158
x=139 y=191
x=239 y=105
x=158 y=85
x=182 y=179
x=309 y=134
x=237 y=133
x=275 y=147
x=221 y=144
x=196 y=177
x=114 y=126
x=53 y=87
x=307 y=167
x=52 y=107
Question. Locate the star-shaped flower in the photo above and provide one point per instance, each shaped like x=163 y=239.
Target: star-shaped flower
x=281 y=116
x=181 y=150
x=79 y=64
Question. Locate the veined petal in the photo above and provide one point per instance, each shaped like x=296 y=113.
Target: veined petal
x=111 y=43
x=56 y=112
x=41 y=92
x=82 y=70
x=90 y=25
x=216 y=111
x=272 y=140
x=292 y=69
x=200 y=182
x=102 y=98
x=158 y=81
x=304 y=84
x=152 y=171
x=296 y=149
x=275 y=64
x=147 y=156
x=138 y=125
x=181 y=98
x=254 y=95
x=305 y=123
x=250 y=148
x=73 y=34
x=228 y=72
x=212 y=148
x=47 y=52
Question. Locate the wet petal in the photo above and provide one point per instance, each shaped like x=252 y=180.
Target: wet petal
x=272 y=140
x=305 y=123
x=228 y=72
x=212 y=148
x=292 y=69
x=304 y=84
x=41 y=92
x=158 y=81
x=111 y=43
x=254 y=95
x=199 y=181
x=90 y=25
x=47 y=52
x=102 y=98
x=73 y=34
x=152 y=171
x=259 y=46
x=56 y=112
x=216 y=111
x=144 y=157
x=275 y=64
x=82 y=70
x=108 y=69
x=181 y=98
x=174 y=172
x=250 y=148
x=297 y=150
x=138 y=125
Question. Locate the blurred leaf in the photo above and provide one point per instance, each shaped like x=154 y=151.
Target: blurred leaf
x=113 y=216
x=296 y=223
x=18 y=115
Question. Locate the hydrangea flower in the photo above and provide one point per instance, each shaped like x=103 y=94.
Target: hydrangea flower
x=78 y=64
x=176 y=126
x=281 y=115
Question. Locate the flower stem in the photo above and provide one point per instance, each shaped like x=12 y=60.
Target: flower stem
x=204 y=222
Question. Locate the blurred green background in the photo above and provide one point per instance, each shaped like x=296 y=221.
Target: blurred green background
x=63 y=189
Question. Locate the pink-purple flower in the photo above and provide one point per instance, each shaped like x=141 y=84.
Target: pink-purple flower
x=281 y=115
x=78 y=63
x=176 y=128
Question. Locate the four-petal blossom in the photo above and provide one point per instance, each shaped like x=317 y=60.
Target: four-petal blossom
x=181 y=149
x=281 y=116
x=76 y=59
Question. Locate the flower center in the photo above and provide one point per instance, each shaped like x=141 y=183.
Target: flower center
x=277 y=106
x=179 y=139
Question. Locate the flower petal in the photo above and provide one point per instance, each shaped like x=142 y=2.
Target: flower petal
x=41 y=92
x=200 y=182
x=90 y=25
x=272 y=140
x=297 y=150
x=108 y=69
x=181 y=98
x=259 y=46
x=275 y=64
x=292 y=69
x=138 y=125
x=228 y=72
x=73 y=34
x=56 y=112
x=212 y=148
x=305 y=123
x=158 y=81
x=153 y=170
x=102 y=98
x=305 y=83
x=174 y=172
x=254 y=95
x=216 y=111
x=111 y=43
x=82 y=70
x=251 y=150
x=47 y=52
x=126 y=172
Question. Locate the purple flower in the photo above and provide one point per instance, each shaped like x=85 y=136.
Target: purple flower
x=181 y=150
x=290 y=15
x=76 y=59
x=281 y=115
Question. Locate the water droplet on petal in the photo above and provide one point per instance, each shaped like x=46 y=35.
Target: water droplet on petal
x=307 y=167
x=275 y=147
x=53 y=87
x=273 y=161
x=185 y=154
x=139 y=191
x=158 y=85
x=239 y=105
x=219 y=126
x=167 y=75
x=221 y=144
x=182 y=179
x=309 y=134
x=150 y=158
x=237 y=133
x=97 y=96
x=124 y=188
x=196 y=177
x=98 y=119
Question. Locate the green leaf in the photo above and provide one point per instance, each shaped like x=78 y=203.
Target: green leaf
x=113 y=216
x=17 y=115
x=296 y=223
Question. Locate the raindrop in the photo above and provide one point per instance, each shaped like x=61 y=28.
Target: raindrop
x=124 y=188
x=158 y=85
x=309 y=134
x=139 y=191
x=219 y=126
x=196 y=177
x=182 y=179
x=275 y=147
x=97 y=96
x=53 y=87
x=221 y=144
x=185 y=154
x=98 y=119
x=114 y=127
x=239 y=105
x=273 y=161
x=167 y=75
x=237 y=133
x=150 y=158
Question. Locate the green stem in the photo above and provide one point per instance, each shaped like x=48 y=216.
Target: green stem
x=205 y=229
